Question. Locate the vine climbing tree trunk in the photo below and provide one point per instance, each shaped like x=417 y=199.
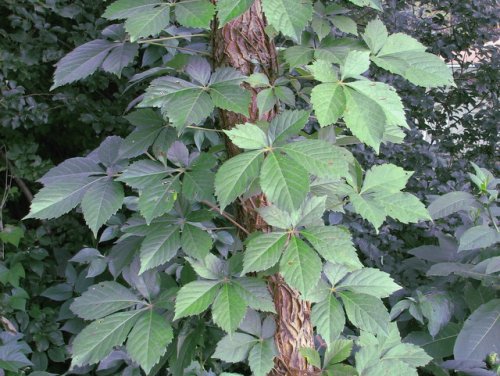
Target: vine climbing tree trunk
x=244 y=45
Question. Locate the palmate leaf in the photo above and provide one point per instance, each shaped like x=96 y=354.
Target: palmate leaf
x=255 y=293
x=55 y=200
x=143 y=173
x=288 y=16
x=329 y=102
x=97 y=340
x=234 y=177
x=195 y=297
x=284 y=182
x=157 y=199
x=103 y=199
x=229 y=308
x=103 y=299
x=263 y=251
x=286 y=124
x=300 y=265
x=228 y=10
x=194 y=13
x=195 y=242
x=230 y=97
x=128 y=8
x=366 y=312
x=369 y=209
x=70 y=169
x=148 y=340
x=188 y=107
x=159 y=246
x=148 y=22
x=328 y=317
x=386 y=177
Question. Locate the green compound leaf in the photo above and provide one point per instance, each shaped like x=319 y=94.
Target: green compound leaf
x=103 y=299
x=284 y=182
x=149 y=22
x=234 y=347
x=288 y=123
x=329 y=102
x=229 y=308
x=157 y=199
x=148 y=340
x=300 y=265
x=261 y=357
x=194 y=13
x=195 y=241
x=195 y=297
x=97 y=340
x=288 y=16
x=235 y=176
x=369 y=281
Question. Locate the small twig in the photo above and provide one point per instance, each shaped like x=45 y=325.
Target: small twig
x=170 y=38
x=204 y=129
x=226 y=215
x=22 y=185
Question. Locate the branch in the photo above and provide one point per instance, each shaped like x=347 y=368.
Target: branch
x=22 y=185
x=226 y=215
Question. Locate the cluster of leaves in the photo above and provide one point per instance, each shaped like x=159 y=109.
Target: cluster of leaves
x=173 y=258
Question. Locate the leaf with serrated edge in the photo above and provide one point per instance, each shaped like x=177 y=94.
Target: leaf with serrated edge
x=248 y=136
x=263 y=251
x=195 y=241
x=328 y=317
x=369 y=281
x=148 y=340
x=284 y=182
x=228 y=10
x=234 y=347
x=300 y=265
x=329 y=102
x=288 y=16
x=234 y=177
x=103 y=299
x=194 y=13
x=229 y=308
x=286 y=124
x=366 y=312
x=159 y=247
x=195 y=297
x=261 y=357
x=103 y=199
x=149 y=22
x=97 y=340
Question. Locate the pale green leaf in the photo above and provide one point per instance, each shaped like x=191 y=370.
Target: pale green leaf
x=300 y=265
x=148 y=340
x=229 y=308
x=338 y=351
x=258 y=79
x=375 y=4
x=248 y=136
x=195 y=241
x=334 y=244
x=159 y=246
x=366 y=312
x=263 y=251
x=329 y=103
x=228 y=10
x=409 y=354
x=320 y=26
x=369 y=281
x=328 y=317
x=97 y=340
x=319 y=157
x=266 y=100
x=364 y=117
x=386 y=177
x=194 y=13
x=322 y=70
x=148 y=22
x=402 y=206
x=100 y=202
x=234 y=177
x=284 y=182
x=290 y=17
x=188 y=107
x=403 y=55
x=128 y=8
x=286 y=124
x=375 y=35
x=310 y=212
x=345 y=24
x=355 y=64
x=369 y=209
x=195 y=297
x=311 y=355
x=387 y=99
x=103 y=299
x=276 y=217
x=261 y=357
x=55 y=200
x=234 y=347
x=231 y=97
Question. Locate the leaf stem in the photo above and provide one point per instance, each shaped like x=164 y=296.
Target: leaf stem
x=226 y=215
x=172 y=37
x=204 y=129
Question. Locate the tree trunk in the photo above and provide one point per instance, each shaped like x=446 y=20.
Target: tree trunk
x=244 y=45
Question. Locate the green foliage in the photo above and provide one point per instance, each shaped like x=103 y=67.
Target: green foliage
x=172 y=259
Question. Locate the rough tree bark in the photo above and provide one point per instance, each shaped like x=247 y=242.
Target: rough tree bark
x=244 y=45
